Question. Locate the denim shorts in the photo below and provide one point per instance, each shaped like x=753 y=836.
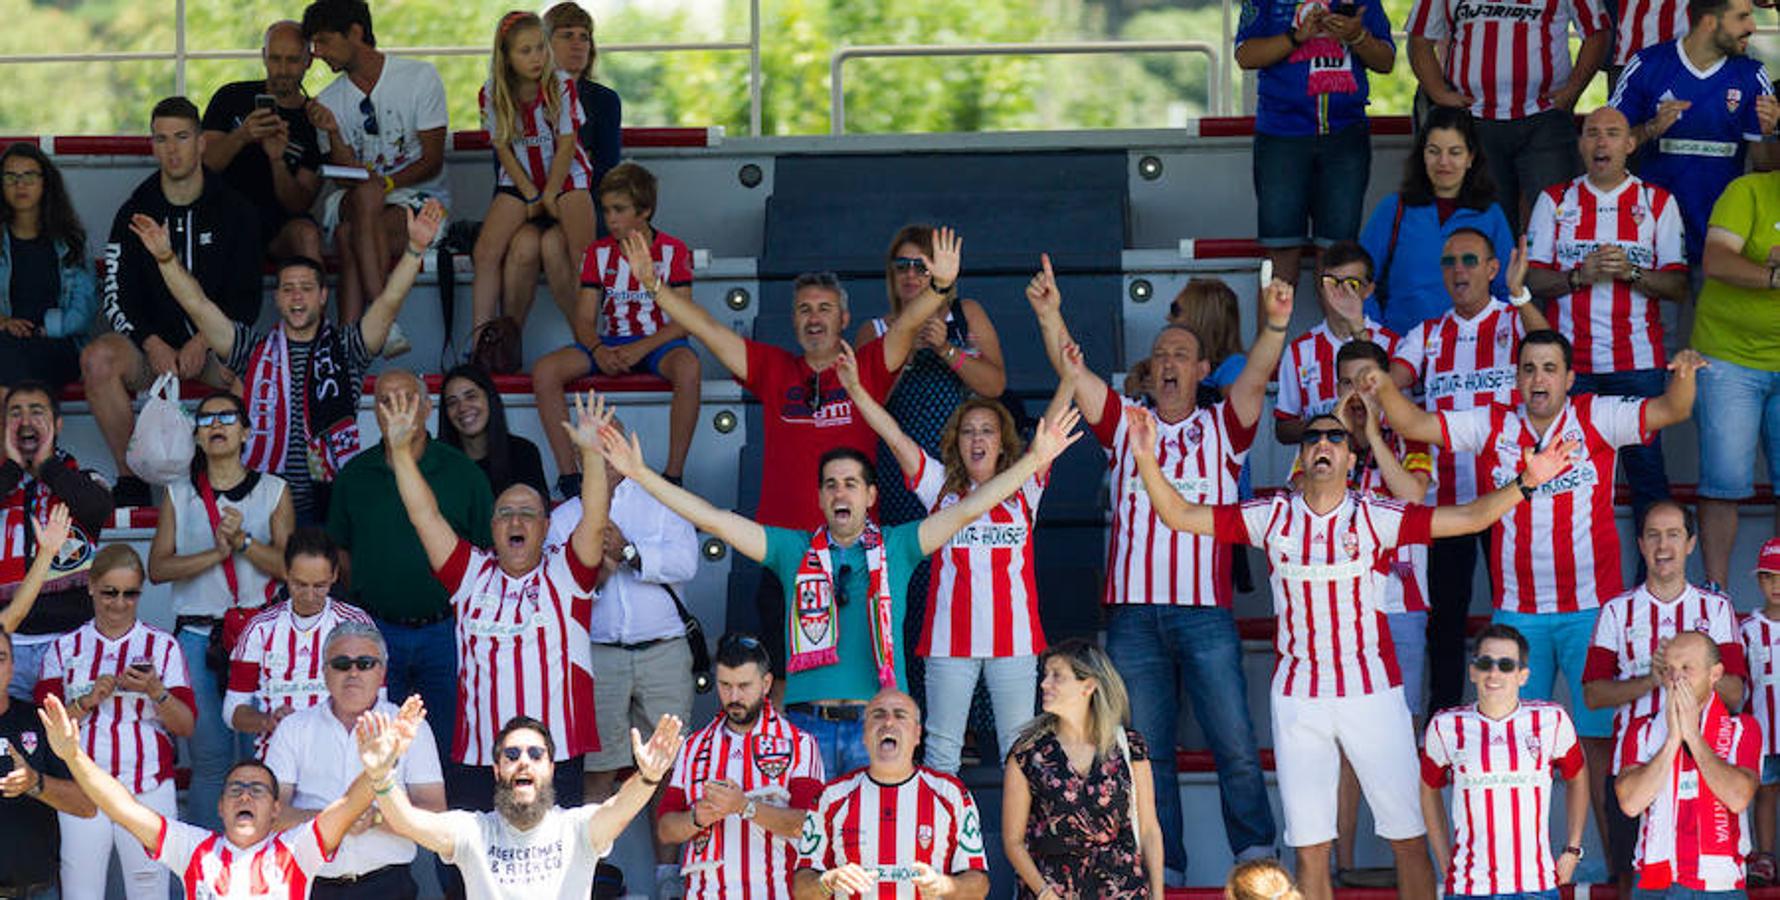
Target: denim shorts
x=1560 y=641
x=1770 y=769
x=1737 y=409
x=1315 y=178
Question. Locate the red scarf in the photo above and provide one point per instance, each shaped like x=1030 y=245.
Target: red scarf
x=18 y=543
x=816 y=621
x=1686 y=814
x=330 y=416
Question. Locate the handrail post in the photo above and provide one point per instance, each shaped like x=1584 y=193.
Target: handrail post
x=179 y=47
x=754 y=112
x=837 y=97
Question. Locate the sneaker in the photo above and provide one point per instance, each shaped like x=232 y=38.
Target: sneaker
x=1762 y=870
x=568 y=484
x=131 y=491
x=396 y=342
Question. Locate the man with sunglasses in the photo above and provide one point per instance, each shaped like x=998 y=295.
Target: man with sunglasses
x=277 y=665
x=1691 y=773
x=314 y=757
x=1626 y=671
x=1464 y=359
x=1307 y=377
x=1337 y=691
x=304 y=375
x=741 y=786
x=1498 y=754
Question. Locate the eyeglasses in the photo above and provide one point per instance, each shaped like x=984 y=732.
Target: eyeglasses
x=12 y=178
x=347 y=663
x=258 y=790
x=909 y=264
x=1468 y=260
x=1312 y=436
x=370 y=110
x=840 y=584
x=126 y=593
x=533 y=752
x=1503 y=664
x=1351 y=282
x=205 y=420
x=518 y=512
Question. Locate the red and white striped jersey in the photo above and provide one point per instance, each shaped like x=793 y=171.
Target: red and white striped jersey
x=1506 y=55
x=1613 y=325
x=281 y=867
x=1147 y=562
x=1632 y=625
x=1558 y=552
x=1308 y=382
x=1686 y=836
x=522 y=650
x=774 y=763
x=124 y=735
x=626 y=310
x=1332 y=639
x=535 y=144
x=929 y=818
x=1643 y=23
x=278 y=661
x=1761 y=641
x=1500 y=770
x=982 y=599
x=1463 y=364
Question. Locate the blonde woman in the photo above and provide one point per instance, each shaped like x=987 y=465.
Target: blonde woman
x=1260 y=879
x=1078 y=812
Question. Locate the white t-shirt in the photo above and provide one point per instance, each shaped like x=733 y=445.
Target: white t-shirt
x=407 y=99
x=500 y=862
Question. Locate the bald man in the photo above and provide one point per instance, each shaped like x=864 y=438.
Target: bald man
x=386 y=566
x=1691 y=772
x=1604 y=249
x=245 y=133
x=938 y=847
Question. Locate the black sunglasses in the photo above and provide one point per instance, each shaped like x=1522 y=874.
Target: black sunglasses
x=370 y=110
x=1468 y=260
x=346 y=663
x=126 y=593
x=744 y=641
x=207 y=419
x=534 y=751
x=1312 y=436
x=1503 y=664
x=840 y=584
x=908 y=263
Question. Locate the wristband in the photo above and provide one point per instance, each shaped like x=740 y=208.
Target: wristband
x=36 y=789
x=1576 y=278
x=415 y=253
x=942 y=290
x=385 y=786
x=955 y=359
x=647 y=780
x=389 y=184
x=164 y=697
x=1292 y=36
x=1520 y=481
x=163 y=260
x=1521 y=299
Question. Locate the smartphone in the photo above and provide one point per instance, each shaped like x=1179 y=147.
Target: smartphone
x=264 y=101
x=141 y=668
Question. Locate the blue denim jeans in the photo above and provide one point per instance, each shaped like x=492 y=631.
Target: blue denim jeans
x=213 y=746
x=842 y=743
x=1163 y=653
x=27 y=664
x=1318 y=179
x=1738 y=408
x=1677 y=892
x=424 y=661
x=1642 y=463
x=1560 y=641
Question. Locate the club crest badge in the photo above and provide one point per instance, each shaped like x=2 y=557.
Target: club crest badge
x=1733 y=98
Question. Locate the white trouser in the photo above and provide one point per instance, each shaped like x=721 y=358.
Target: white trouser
x=952 y=681
x=87 y=846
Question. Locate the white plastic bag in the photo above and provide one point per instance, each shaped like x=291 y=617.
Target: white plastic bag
x=161 y=447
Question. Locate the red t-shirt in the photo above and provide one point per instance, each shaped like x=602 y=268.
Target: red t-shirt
x=800 y=428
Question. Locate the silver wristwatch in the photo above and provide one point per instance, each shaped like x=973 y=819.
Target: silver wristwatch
x=749 y=810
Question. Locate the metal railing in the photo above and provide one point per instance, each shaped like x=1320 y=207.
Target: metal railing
x=180 y=55
x=1216 y=100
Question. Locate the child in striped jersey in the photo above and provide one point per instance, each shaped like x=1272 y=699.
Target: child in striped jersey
x=1761 y=646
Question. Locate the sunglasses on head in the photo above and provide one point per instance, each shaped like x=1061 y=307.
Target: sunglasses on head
x=207 y=419
x=1468 y=260
x=112 y=593
x=1502 y=664
x=534 y=752
x=346 y=663
x=1313 y=436
x=909 y=263
x=744 y=641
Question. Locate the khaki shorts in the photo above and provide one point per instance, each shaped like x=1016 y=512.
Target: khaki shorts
x=142 y=375
x=634 y=689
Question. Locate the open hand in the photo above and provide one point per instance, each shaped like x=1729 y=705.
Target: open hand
x=1548 y=463
x=401 y=418
x=60 y=729
x=624 y=453
x=642 y=261
x=1517 y=268
x=153 y=236
x=947 y=247
x=1140 y=427
x=1053 y=437
x=52 y=535
x=424 y=226
x=591 y=414
x=653 y=759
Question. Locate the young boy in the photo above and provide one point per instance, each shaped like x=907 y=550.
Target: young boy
x=619 y=329
x=1307 y=377
x=1761 y=646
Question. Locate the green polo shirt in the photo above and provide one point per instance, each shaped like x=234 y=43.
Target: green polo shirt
x=855 y=676
x=390 y=575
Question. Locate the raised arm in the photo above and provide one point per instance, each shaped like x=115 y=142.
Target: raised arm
x=591 y=415
x=1410 y=487
x=626 y=456
x=213 y=324
x=1053 y=437
x=381 y=314
x=1248 y=394
x=382 y=742
x=1470 y=518
x=1175 y=511
x=1047 y=305
x=1532 y=315
x=729 y=348
x=653 y=759
x=943 y=268
x=1676 y=403
x=402 y=413
x=50 y=539
x=1408 y=420
x=908 y=453
x=112 y=798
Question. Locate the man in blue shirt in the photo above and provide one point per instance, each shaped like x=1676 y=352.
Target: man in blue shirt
x=1693 y=104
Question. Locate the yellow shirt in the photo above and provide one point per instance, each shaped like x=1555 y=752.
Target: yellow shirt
x=1735 y=324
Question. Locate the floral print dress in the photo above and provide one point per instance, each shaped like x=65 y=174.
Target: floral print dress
x=1079 y=828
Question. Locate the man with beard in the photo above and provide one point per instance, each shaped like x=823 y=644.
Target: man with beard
x=34 y=478
x=527 y=848
x=806 y=409
x=936 y=849
x=313 y=757
x=1695 y=105
x=305 y=375
x=269 y=152
x=248 y=859
x=741 y=786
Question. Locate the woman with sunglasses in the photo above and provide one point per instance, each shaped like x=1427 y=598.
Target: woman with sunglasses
x=219 y=543
x=128 y=680
x=276 y=666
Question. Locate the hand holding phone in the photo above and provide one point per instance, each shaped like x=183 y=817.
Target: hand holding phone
x=264 y=101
